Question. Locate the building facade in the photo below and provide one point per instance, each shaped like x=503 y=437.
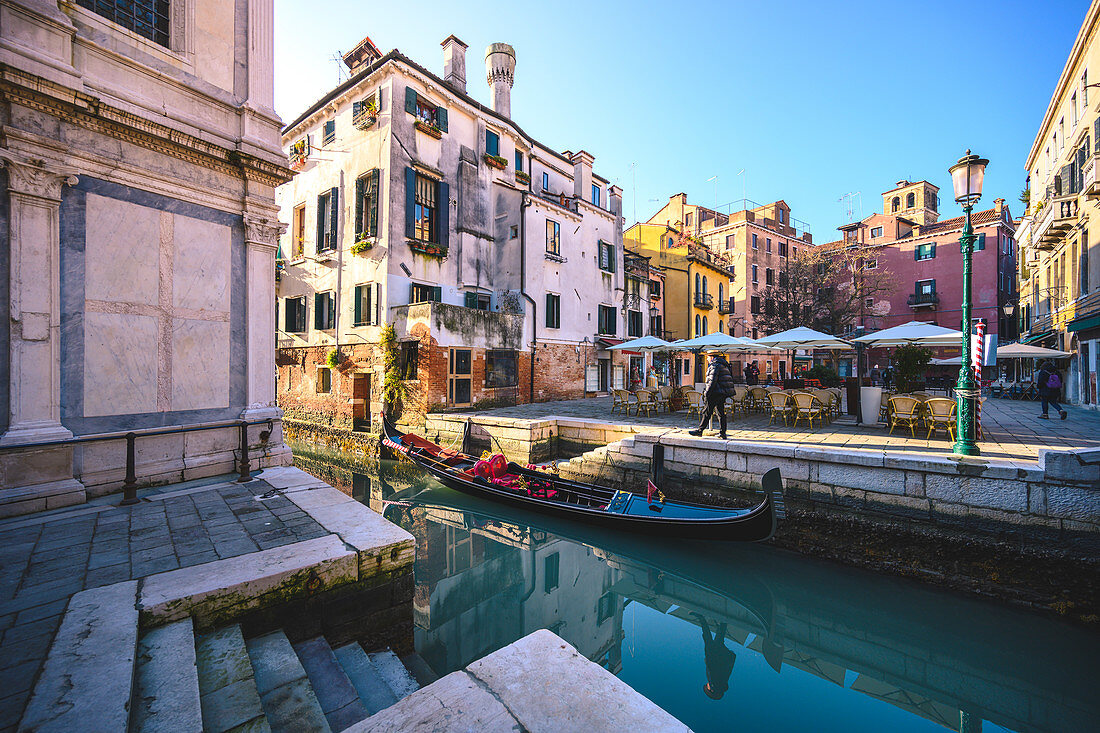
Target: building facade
x=1059 y=303
x=497 y=260
x=140 y=155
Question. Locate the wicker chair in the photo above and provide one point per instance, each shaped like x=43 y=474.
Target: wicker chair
x=782 y=406
x=646 y=401
x=694 y=401
x=808 y=407
x=827 y=399
x=619 y=400
x=741 y=401
x=884 y=407
x=941 y=416
x=758 y=399
x=663 y=395
x=905 y=411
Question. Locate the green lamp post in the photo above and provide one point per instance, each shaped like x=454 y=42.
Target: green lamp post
x=966 y=178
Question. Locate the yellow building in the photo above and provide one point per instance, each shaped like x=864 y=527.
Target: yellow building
x=1059 y=302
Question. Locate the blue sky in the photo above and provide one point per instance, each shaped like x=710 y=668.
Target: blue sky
x=812 y=99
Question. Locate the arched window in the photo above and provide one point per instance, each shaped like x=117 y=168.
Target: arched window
x=895 y=204
x=910 y=201
x=670 y=242
x=720 y=292
x=697 y=290
x=704 y=284
x=721 y=326
x=697 y=326
x=704 y=325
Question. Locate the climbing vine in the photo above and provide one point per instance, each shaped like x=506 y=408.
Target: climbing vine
x=393 y=385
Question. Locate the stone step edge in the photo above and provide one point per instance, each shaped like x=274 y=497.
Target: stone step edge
x=166 y=681
x=374 y=692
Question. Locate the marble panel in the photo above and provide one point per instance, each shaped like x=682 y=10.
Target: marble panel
x=121 y=251
x=200 y=364
x=120 y=364
x=200 y=264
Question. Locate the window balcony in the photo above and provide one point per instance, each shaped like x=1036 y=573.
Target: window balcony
x=1057 y=217
x=704 y=301
x=924 y=300
x=725 y=306
x=1090 y=183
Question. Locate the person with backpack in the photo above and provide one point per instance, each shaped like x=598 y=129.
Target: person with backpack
x=1050 y=384
x=720 y=385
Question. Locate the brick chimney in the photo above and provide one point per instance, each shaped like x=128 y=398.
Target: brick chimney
x=582 y=174
x=454 y=63
x=998 y=206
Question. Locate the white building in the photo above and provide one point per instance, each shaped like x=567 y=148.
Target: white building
x=497 y=259
x=140 y=156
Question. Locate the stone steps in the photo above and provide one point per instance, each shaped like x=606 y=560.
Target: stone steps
x=219 y=681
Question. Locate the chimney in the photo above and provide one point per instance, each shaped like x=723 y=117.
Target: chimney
x=364 y=53
x=582 y=174
x=998 y=205
x=500 y=69
x=454 y=63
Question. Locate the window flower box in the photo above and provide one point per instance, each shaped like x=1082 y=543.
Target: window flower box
x=495 y=161
x=427 y=248
x=523 y=178
x=364 y=120
x=362 y=245
x=428 y=129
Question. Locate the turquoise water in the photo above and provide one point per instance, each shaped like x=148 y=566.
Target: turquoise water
x=814 y=646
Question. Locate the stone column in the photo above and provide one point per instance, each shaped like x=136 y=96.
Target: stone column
x=34 y=405
x=261 y=239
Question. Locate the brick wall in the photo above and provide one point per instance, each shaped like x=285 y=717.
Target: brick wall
x=296 y=388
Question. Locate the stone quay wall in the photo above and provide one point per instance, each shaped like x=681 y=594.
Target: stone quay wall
x=1055 y=503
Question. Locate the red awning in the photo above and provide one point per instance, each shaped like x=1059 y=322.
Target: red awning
x=604 y=342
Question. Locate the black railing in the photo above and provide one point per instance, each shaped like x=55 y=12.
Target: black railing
x=129 y=483
x=917 y=300
x=704 y=300
x=725 y=305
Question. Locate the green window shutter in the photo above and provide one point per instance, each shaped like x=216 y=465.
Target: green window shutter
x=358 y=305
x=331 y=299
x=360 y=185
x=320 y=223
x=471 y=300
x=441 y=118
x=355 y=107
x=372 y=204
x=519 y=161
x=410 y=203
x=437 y=294
x=317 y=310
x=410 y=100
x=443 y=217
x=932 y=250
x=334 y=214
x=492 y=143
x=376 y=302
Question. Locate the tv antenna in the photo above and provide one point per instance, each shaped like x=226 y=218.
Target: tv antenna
x=850 y=197
x=341 y=67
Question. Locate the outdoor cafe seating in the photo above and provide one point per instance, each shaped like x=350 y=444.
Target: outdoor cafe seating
x=905 y=411
x=940 y=415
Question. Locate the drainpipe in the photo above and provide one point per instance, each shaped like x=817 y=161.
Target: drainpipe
x=525 y=201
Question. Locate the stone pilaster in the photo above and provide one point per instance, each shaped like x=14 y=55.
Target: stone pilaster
x=34 y=188
x=261 y=238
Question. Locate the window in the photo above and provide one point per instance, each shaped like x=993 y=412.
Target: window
x=895 y=204
x=782 y=249
x=925 y=251
x=519 y=161
x=698 y=281
x=607 y=256
x=606 y=319
x=925 y=287
x=147 y=18
x=782 y=279
x=910 y=201
x=705 y=331
x=876 y=232
x=754 y=304
x=298 y=232
x=754 y=279
x=425 y=111
x=782 y=214
x=869 y=303
x=324 y=311
x=721 y=327
x=671 y=243
x=979 y=243
x=477 y=301
x=366 y=205
x=492 y=143
x=698 y=325
x=731 y=240
x=656 y=327
x=794 y=251
x=328 y=217
x=769 y=307
x=1084 y=90
x=634 y=324
x=329 y=135
x=720 y=290
x=294 y=313
x=687 y=366
x=408 y=359
x=545 y=181
x=425 y=293
x=324 y=379
x=553 y=237
x=367 y=305
x=769 y=276
x=654 y=289
x=754 y=245
x=704 y=284
x=553 y=310
x=513 y=232
x=1073 y=111
x=870 y=263
x=595 y=194
x=500 y=368
x=364 y=111
x=425 y=209
x=754 y=334
x=768 y=245
x=687 y=219
x=550 y=579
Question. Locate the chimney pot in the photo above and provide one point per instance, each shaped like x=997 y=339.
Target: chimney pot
x=454 y=63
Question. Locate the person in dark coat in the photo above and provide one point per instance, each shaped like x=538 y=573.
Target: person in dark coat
x=720 y=385
x=1048 y=392
x=718 y=658
x=752 y=374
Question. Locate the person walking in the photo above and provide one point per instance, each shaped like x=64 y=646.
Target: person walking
x=1050 y=385
x=720 y=385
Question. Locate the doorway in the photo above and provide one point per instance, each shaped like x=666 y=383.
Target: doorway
x=360 y=401
x=605 y=375
x=459 y=380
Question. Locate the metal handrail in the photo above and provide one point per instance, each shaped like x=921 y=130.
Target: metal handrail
x=129 y=484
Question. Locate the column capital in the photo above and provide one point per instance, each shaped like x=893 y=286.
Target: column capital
x=36 y=176
x=263 y=231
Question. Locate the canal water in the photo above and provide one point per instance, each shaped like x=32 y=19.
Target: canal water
x=728 y=636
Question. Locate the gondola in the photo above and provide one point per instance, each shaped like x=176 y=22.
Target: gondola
x=544 y=492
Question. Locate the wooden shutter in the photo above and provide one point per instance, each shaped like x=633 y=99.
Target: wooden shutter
x=441 y=118
x=360 y=185
x=355 y=107
x=320 y=222
x=443 y=217
x=492 y=143
x=288 y=315
x=549 y=309
x=410 y=100
x=471 y=300
x=331 y=300
x=932 y=247
x=410 y=203
x=334 y=215
x=376 y=302
x=437 y=293
x=372 y=203
x=317 y=305
x=358 y=316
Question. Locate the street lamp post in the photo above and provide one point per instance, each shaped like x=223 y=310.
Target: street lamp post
x=966 y=178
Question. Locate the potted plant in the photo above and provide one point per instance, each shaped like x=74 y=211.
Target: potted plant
x=427 y=248
x=363 y=244
x=366 y=114
x=496 y=161
x=523 y=178
x=299 y=153
x=428 y=128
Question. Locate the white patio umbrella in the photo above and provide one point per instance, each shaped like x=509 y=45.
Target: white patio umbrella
x=716 y=341
x=645 y=343
x=803 y=338
x=1027 y=351
x=914 y=332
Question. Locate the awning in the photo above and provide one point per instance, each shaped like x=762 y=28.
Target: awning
x=1037 y=337
x=1082 y=324
x=604 y=341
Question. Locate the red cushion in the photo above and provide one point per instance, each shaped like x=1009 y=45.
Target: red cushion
x=498 y=465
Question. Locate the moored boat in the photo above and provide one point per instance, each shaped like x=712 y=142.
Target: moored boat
x=539 y=490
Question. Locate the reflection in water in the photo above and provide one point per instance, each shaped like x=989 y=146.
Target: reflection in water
x=817 y=646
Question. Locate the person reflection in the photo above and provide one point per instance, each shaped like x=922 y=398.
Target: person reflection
x=719 y=659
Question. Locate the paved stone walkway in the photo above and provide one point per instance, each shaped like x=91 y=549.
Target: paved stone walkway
x=46 y=558
x=1012 y=429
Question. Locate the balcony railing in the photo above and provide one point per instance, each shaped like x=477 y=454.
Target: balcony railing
x=635 y=265
x=1055 y=220
x=924 y=300
x=725 y=305
x=704 y=300
x=632 y=301
x=1090 y=186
